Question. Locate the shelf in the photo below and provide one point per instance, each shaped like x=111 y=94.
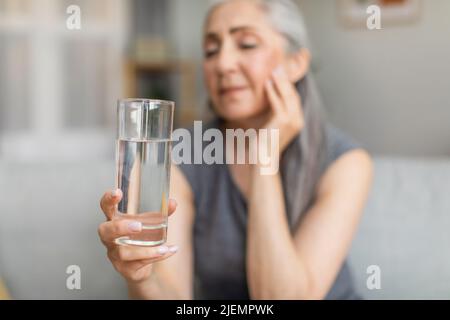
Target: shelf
x=186 y=111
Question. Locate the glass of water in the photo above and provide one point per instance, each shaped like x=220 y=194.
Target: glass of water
x=144 y=136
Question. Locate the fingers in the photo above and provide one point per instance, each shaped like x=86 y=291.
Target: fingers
x=109 y=202
x=143 y=254
x=172 y=206
x=115 y=228
x=139 y=269
x=111 y=230
x=110 y=199
x=274 y=100
x=284 y=86
x=133 y=271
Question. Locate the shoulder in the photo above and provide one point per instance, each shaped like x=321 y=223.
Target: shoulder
x=346 y=161
x=351 y=164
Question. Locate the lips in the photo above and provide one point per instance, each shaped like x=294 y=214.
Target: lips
x=230 y=90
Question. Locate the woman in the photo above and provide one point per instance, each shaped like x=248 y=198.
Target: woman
x=242 y=234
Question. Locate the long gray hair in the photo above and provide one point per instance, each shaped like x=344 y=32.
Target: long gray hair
x=302 y=161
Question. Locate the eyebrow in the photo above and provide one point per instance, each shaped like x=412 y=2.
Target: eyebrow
x=212 y=35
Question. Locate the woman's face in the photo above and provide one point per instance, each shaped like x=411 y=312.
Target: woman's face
x=241 y=49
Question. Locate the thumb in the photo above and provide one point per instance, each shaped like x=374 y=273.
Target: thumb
x=109 y=202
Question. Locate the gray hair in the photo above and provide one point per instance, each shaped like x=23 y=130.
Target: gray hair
x=302 y=162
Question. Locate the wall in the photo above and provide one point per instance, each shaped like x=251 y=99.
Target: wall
x=389 y=87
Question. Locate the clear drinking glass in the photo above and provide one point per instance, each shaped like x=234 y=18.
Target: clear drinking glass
x=143 y=159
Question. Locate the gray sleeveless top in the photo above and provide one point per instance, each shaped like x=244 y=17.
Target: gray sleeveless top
x=219 y=234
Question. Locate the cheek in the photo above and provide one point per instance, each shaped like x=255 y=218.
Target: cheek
x=259 y=70
x=209 y=79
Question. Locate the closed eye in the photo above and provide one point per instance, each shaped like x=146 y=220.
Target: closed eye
x=248 y=46
x=210 y=53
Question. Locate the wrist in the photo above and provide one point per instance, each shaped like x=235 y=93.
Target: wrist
x=140 y=289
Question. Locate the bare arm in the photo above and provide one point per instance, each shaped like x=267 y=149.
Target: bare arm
x=304 y=266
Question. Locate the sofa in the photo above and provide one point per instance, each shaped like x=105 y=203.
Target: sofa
x=50 y=214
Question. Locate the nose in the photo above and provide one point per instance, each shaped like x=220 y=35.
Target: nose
x=227 y=61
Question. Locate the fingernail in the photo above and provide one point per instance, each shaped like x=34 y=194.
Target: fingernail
x=278 y=71
x=163 y=249
x=175 y=201
x=269 y=82
x=173 y=249
x=115 y=192
x=135 y=226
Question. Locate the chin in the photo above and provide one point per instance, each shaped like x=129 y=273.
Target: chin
x=237 y=115
x=237 y=111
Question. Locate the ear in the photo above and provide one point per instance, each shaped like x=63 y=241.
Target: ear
x=297 y=64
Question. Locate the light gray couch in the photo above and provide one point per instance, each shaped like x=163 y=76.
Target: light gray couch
x=50 y=213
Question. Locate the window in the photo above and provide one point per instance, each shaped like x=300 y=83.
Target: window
x=58 y=87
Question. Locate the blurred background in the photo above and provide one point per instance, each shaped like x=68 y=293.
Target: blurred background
x=387 y=88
